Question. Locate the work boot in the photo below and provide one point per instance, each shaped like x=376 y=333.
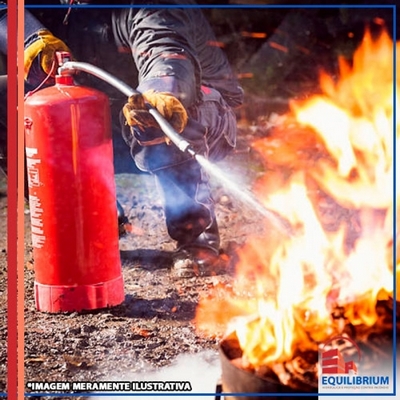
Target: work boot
x=123 y=223
x=208 y=239
x=190 y=218
x=200 y=257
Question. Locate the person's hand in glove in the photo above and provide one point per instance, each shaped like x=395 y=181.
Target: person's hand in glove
x=137 y=114
x=41 y=47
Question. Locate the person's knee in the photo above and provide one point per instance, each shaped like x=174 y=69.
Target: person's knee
x=220 y=121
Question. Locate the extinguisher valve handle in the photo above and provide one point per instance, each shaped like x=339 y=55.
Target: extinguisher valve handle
x=63 y=57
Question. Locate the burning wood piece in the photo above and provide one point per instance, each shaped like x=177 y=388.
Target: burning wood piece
x=231 y=348
x=280 y=371
x=302 y=380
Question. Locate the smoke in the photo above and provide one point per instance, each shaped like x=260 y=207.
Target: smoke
x=202 y=370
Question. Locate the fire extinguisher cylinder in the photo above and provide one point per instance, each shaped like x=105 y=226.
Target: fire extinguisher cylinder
x=72 y=197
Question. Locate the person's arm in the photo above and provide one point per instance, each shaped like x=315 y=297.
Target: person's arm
x=169 y=73
x=40 y=50
x=161 y=44
x=40 y=47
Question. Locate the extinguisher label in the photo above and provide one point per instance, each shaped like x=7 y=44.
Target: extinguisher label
x=36 y=209
x=38 y=237
x=31 y=166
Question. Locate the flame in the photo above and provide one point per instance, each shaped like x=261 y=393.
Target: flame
x=330 y=173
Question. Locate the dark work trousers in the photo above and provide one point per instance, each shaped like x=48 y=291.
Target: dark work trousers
x=188 y=204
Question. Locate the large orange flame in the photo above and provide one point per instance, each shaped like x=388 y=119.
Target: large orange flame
x=330 y=173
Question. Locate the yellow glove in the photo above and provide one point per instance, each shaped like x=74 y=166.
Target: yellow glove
x=46 y=45
x=137 y=114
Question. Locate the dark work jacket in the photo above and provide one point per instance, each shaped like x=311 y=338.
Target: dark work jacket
x=172 y=49
x=166 y=49
x=175 y=50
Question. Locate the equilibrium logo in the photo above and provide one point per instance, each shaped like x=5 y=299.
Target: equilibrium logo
x=333 y=361
x=341 y=375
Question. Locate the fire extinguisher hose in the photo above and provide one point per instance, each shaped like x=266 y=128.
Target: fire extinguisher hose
x=71 y=66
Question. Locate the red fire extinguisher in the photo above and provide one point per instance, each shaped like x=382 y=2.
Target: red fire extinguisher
x=72 y=198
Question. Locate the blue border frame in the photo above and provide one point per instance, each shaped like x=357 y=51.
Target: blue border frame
x=265 y=6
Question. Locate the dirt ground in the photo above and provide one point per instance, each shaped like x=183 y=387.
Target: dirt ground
x=155 y=323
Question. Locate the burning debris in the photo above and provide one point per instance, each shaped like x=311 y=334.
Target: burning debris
x=329 y=171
